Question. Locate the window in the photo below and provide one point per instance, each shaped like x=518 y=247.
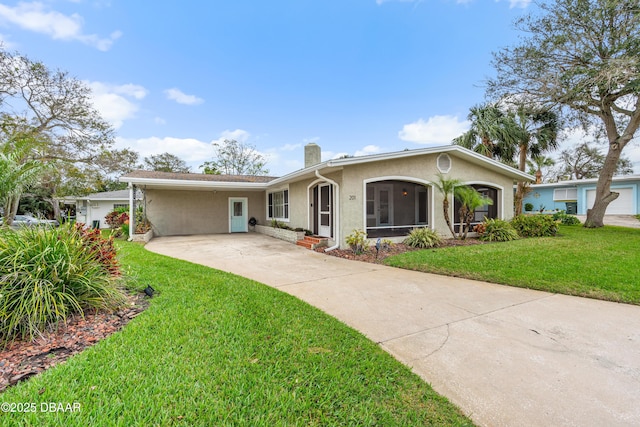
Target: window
x=444 y=163
x=121 y=206
x=279 y=205
x=565 y=194
x=487 y=211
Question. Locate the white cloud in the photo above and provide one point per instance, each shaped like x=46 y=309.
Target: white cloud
x=369 y=149
x=159 y=121
x=435 y=130
x=182 y=98
x=238 y=135
x=519 y=3
x=36 y=17
x=113 y=101
x=290 y=147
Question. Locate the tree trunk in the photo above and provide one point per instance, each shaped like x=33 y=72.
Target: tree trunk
x=538 y=176
x=445 y=209
x=56 y=209
x=604 y=195
x=519 y=196
x=462 y=214
x=11 y=208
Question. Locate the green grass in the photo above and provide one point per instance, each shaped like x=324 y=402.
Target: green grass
x=218 y=349
x=598 y=263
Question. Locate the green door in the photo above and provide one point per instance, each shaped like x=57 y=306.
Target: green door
x=238 y=215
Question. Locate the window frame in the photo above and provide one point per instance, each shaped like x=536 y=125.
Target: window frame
x=564 y=191
x=273 y=205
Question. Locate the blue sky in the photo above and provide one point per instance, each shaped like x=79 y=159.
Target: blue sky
x=355 y=76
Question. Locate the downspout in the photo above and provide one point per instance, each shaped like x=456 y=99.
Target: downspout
x=132 y=212
x=336 y=197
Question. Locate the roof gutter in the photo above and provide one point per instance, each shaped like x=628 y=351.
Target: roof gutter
x=336 y=197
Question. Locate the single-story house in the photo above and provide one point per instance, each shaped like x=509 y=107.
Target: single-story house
x=386 y=195
x=576 y=196
x=93 y=208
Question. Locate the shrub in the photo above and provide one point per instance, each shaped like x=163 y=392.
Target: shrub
x=480 y=228
x=423 y=238
x=115 y=219
x=357 y=241
x=535 y=225
x=101 y=249
x=48 y=274
x=528 y=207
x=565 y=218
x=498 y=230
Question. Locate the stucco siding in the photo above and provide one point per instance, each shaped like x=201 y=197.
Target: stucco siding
x=176 y=212
x=420 y=170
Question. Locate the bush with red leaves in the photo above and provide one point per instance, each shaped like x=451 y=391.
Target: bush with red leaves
x=102 y=249
x=115 y=219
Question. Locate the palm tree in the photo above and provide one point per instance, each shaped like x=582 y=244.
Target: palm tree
x=529 y=132
x=486 y=130
x=536 y=163
x=18 y=170
x=470 y=200
x=446 y=187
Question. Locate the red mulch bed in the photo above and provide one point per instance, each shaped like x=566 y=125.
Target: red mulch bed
x=395 y=249
x=21 y=360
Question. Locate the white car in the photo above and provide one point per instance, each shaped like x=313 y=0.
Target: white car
x=31 y=221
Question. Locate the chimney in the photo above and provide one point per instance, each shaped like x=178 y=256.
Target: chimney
x=311 y=154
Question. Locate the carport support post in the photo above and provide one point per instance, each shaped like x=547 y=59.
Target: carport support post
x=132 y=211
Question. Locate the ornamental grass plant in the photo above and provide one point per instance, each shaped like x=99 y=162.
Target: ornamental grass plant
x=47 y=274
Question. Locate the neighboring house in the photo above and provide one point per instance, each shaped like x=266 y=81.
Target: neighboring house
x=577 y=196
x=93 y=208
x=384 y=194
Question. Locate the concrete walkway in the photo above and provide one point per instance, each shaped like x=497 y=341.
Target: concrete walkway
x=505 y=356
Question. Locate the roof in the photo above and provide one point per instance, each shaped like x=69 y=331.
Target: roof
x=105 y=195
x=197 y=177
x=576 y=182
x=250 y=182
x=196 y=181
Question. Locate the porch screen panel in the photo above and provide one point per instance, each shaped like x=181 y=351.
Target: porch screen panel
x=422 y=207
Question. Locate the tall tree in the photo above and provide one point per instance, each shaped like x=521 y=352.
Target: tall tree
x=532 y=131
x=586 y=161
x=166 y=162
x=536 y=165
x=235 y=158
x=486 y=131
x=50 y=108
x=581 y=55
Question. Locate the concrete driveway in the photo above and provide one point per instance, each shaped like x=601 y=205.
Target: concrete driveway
x=505 y=356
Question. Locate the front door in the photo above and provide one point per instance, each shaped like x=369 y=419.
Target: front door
x=238 y=215
x=324 y=211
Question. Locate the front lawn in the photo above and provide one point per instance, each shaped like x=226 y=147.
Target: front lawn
x=600 y=263
x=218 y=349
